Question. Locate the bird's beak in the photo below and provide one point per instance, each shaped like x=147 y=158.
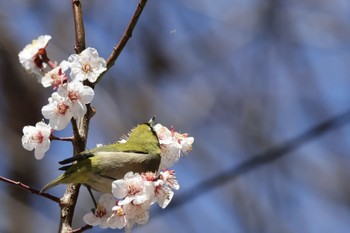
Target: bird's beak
x=151 y=121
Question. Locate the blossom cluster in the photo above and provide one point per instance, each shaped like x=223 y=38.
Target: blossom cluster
x=132 y=198
x=135 y=193
x=172 y=145
x=71 y=95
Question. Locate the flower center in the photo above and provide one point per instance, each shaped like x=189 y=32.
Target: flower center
x=40 y=57
x=38 y=137
x=119 y=212
x=62 y=108
x=58 y=78
x=100 y=211
x=73 y=95
x=87 y=68
x=134 y=189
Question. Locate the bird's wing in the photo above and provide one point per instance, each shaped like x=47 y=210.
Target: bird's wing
x=81 y=156
x=116 y=164
x=87 y=154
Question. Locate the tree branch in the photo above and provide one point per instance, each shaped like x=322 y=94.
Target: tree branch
x=67 y=204
x=125 y=38
x=78 y=26
x=29 y=189
x=70 y=197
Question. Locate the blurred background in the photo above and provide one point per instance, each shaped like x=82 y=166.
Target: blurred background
x=239 y=76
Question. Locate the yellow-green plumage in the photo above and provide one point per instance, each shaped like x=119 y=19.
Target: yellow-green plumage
x=99 y=167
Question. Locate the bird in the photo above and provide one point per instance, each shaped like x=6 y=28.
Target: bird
x=97 y=168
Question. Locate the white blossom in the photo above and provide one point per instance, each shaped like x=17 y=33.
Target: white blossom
x=55 y=77
x=77 y=95
x=172 y=145
x=169 y=178
x=58 y=111
x=86 y=65
x=102 y=213
x=163 y=193
x=31 y=57
x=118 y=218
x=37 y=137
x=133 y=197
x=132 y=189
x=138 y=214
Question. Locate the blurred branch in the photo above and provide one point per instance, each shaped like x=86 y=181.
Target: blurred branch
x=26 y=187
x=78 y=26
x=126 y=36
x=259 y=159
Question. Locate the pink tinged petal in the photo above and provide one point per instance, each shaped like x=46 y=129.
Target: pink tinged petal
x=44 y=129
x=78 y=109
x=57 y=111
x=48 y=110
x=54 y=77
x=126 y=200
x=41 y=149
x=65 y=65
x=137 y=214
x=43 y=40
x=142 y=218
x=60 y=122
x=117 y=218
x=27 y=143
x=133 y=211
x=87 y=94
x=87 y=66
x=104 y=224
x=78 y=95
x=37 y=138
x=131 y=189
x=116 y=222
x=168 y=177
x=29 y=129
x=58 y=114
x=63 y=90
x=119 y=188
x=27 y=140
x=164 y=195
x=102 y=212
x=30 y=56
x=107 y=200
x=91 y=219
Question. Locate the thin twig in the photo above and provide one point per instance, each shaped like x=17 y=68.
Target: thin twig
x=65 y=139
x=77 y=136
x=126 y=36
x=29 y=189
x=78 y=26
x=81 y=229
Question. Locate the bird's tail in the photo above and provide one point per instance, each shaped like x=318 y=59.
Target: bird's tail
x=53 y=183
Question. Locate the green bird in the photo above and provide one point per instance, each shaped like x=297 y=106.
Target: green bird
x=99 y=167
